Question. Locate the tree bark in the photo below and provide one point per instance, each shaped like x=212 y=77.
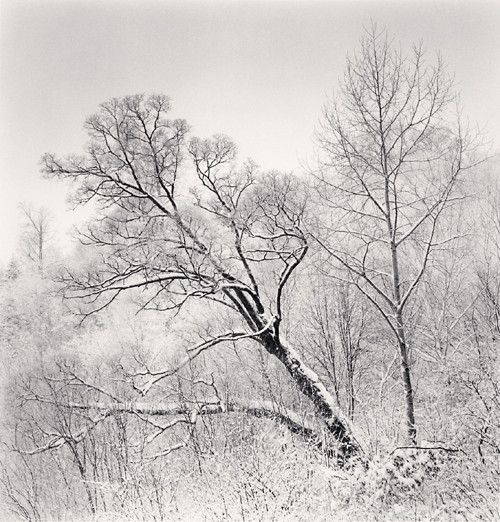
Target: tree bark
x=408 y=387
x=402 y=345
x=338 y=425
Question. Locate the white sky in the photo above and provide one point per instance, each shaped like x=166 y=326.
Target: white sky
x=258 y=71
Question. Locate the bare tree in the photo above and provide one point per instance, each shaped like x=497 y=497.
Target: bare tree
x=391 y=160
x=37 y=235
x=335 y=330
x=228 y=246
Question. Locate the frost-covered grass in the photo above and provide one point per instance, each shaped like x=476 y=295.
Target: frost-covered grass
x=261 y=473
x=288 y=483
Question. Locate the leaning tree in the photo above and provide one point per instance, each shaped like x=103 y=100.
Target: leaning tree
x=180 y=222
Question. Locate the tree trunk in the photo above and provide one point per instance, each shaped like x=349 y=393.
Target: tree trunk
x=350 y=393
x=406 y=374
x=338 y=425
x=401 y=339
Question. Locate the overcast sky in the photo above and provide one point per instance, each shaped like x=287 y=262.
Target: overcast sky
x=258 y=71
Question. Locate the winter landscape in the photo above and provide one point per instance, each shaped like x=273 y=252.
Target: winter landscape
x=251 y=266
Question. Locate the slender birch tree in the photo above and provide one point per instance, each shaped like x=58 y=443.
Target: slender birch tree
x=392 y=152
